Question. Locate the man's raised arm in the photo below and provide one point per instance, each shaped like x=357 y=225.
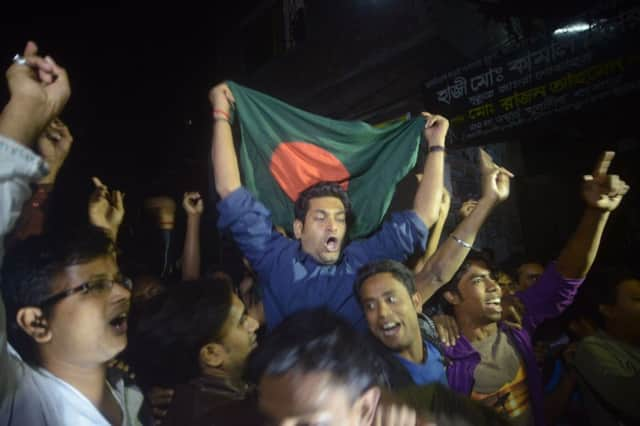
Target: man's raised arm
x=435 y=233
x=602 y=193
x=193 y=207
x=223 y=153
x=428 y=198
x=39 y=90
x=441 y=267
x=555 y=290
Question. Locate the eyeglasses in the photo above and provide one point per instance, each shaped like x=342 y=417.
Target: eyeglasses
x=96 y=286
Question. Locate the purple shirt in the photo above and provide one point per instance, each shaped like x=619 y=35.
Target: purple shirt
x=547 y=298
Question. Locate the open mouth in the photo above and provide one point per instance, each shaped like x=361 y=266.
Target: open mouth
x=332 y=244
x=120 y=322
x=390 y=328
x=494 y=304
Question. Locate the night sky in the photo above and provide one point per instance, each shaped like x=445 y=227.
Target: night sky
x=139 y=86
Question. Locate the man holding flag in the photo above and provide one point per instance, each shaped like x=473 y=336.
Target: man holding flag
x=321 y=173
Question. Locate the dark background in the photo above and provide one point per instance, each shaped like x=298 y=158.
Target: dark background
x=140 y=116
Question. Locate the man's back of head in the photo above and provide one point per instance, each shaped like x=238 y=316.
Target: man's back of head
x=617 y=288
x=314 y=365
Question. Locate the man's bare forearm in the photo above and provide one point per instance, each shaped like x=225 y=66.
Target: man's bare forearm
x=441 y=267
x=434 y=239
x=225 y=162
x=23 y=120
x=578 y=254
x=429 y=195
x=191 y=252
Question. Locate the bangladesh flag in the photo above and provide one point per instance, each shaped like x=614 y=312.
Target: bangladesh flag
x=285 y=150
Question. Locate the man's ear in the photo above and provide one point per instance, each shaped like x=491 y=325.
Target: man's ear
x=212 y=355
x=367 y=405
x=417 y=301
x=32 y=321
x=452 y=297
x=298 y=225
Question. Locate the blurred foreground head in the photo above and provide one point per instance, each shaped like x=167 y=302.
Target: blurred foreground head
x=315 y=369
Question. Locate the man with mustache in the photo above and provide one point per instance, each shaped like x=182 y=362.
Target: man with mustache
x=318 y=268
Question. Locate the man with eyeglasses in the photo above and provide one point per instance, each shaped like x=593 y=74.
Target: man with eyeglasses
x=66 y=302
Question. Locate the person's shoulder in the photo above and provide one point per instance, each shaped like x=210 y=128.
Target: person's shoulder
x=405 y=216
x=397 y=218
x=603 y=357
x=239 y=195
x=15 y=363
x=596 y=343
x=599 y=350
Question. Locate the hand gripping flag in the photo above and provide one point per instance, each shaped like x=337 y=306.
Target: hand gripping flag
x=284 y=150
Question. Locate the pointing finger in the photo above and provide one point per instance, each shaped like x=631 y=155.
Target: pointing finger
x=602 y=166
x=98 y=183
x=507 y=172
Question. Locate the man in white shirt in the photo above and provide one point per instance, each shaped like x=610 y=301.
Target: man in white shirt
x=66 y=301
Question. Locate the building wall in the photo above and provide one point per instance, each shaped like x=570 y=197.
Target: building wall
x=367 y=60
x=361 y=59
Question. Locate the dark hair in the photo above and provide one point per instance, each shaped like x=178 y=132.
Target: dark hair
x=30 y=266
x=396 y=269
x=318 y=340
x=168 y=332
x=441 y=303
x=321 y=189
x=610 y=280
x=601 y=288
x=512 y=265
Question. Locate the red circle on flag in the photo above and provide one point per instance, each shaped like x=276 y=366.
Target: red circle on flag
x=298 y=165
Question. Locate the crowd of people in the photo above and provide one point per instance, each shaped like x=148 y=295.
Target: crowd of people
x=404 y=327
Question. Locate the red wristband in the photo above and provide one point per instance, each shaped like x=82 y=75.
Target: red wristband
x=219 y=111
